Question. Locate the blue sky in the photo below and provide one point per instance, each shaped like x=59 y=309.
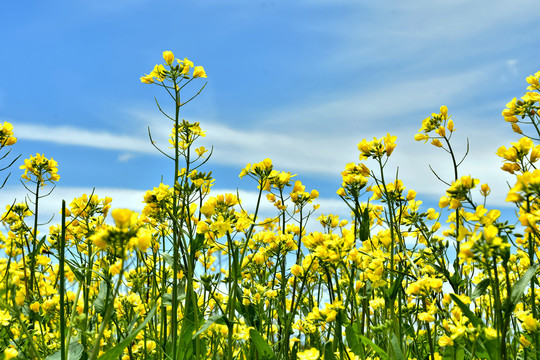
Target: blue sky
x=300 y=82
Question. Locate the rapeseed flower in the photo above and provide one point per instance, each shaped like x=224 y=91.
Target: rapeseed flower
x=40 y=169
x=310 y=354
x=6 y=135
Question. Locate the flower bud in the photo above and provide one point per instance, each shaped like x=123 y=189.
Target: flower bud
x=168 y=56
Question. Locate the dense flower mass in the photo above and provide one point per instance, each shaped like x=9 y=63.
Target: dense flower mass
x=200 y=275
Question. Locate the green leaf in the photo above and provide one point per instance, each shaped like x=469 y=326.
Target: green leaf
x=263 y=349
x=460 y=354
x=480 y=289
x=352 y=341
x=167 y=298
x=398 y=354
x=329 y=351
x=37 y=250
x=76 y=352
x=468 y=313
x=375 y=348
x=219 y=319
x=101 y=299
x=185 y=342
x=519 y=287
x=492 y=347
x=115 y=352
x=391 y=293
x=168 y=259
x=364 y=225
x=449 y=353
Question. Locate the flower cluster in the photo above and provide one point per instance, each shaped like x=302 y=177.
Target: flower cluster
x=40 y=170
x=6 y=135
x=182 y=69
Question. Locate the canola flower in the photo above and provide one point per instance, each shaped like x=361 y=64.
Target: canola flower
x=40 y=169
x=7 y=137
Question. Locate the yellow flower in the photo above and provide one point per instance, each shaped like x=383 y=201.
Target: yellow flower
x=390 y=142
x=168 y=56
x=516 y=129
x=123 y=218
x=116 y=268
x=310 y=354
x=144 y=238
x=444 y=111
x=147 y=79
x=198 y=72
x=297 y=270
x=436 y=143
x=10 y=353
x=100 y=238
x=5 y=317
x=485 y=190
x=6 y=135
x=530 y=324
x=186 y=65
x=425 y=316
x=445 y=341
x=524 y=341
x=450 y=125
x=43 y=169
x=490 y=333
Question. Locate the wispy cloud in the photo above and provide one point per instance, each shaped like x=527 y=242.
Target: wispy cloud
x=69 y=135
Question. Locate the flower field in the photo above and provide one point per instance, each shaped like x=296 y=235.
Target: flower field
x=196 y=275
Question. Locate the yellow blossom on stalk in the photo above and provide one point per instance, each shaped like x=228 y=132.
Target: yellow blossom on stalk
x=43 y=169
x=377 y=148
x=531 y=97
x=530 y=324
x=490 y=333
x=459 y=190
x=527 y=184
x=6 y=135
x=10 y=353
x=5 y=317
x=198 y=72
x=281 y=179
x=168 y=56
x=175 y=72
x=185 y=65
x=436 y=142
x=485 y=190
x=261 y=171
x=445 y=341
x=310 y=354
x=524 y=341
x=435 y=122
x=300 y=197
x=297 y=270
x=450 y=126
x=533 y=81
x=426 y=316
x=124 y=218
x=144 y=239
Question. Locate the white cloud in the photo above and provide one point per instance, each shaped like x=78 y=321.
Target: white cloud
x=68 y=135
x=125 y=157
